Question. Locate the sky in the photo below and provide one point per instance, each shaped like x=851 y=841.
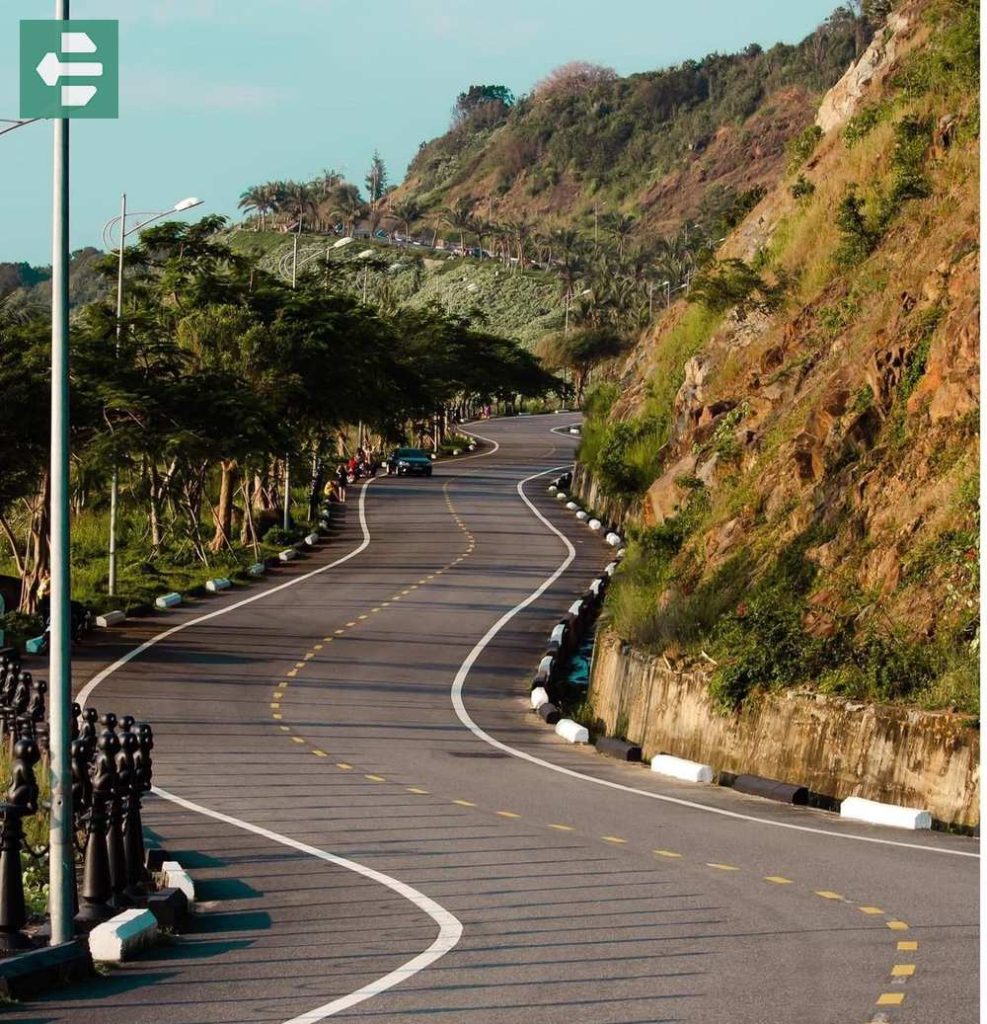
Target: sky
x=217 y=95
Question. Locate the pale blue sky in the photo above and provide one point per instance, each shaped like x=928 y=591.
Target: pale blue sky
x=219 y=94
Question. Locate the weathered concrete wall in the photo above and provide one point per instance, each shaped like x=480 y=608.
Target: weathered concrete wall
x=835 y=747
x=587 y=491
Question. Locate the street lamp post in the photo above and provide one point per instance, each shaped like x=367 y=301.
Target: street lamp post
x=184 y=204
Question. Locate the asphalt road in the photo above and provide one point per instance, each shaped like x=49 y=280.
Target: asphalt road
x=361 y=853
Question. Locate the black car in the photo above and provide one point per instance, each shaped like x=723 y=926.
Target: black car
x=404 y=461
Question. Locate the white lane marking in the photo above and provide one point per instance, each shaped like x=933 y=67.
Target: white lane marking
x=85 y=692
x=450 y=928
x=464 y=717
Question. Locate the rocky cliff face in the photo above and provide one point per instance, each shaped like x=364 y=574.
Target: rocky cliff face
x=830 y=414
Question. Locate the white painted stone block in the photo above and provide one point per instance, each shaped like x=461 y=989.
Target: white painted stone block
x=110 y=618
x=539 y=696
x=218 y=584
x=312 y=539
x=680 y=768
x=287 y=555
x=561 y=496
x=558 y=634
x=552 y=488
x=122 y=936
x=611 y=568
x=594 y=587
x=595 y=524
x=176 y=877
x=856 y=808
x=545 y=667
x=168 y=600
x=614 y=540
x=572 y=731
x=571 y=506
x=582 y=516
x=576 y=607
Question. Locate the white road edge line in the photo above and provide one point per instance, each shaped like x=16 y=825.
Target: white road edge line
x=450 y=928
x=457 y=702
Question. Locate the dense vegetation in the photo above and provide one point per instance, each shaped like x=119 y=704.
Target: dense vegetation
x=220 y=374
x=893 y=200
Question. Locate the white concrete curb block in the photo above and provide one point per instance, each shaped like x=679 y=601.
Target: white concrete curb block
x=545 y=667
x=680 y=768
x=218 y=584
x=611 y=568
x=110 y=618
x=576 y=607
x=312 y=539
x=257 y=569
x=539 y=696
x=167 y=600
x=176 y=877
x=561 y=496
x=595 y=524
x=552 y=488
x=582 y=516
x=572 y=731
x=558 y=634
x=122 y=936
x=594 y=587
x=571 y=506
x=858 y=809
x=613 y=539
x=288 y=554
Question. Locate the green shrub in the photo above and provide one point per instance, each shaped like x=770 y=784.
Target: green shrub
x=802 y=188
x=800 y=148
x=734 y=284
x=861 y=125
x=857 y=238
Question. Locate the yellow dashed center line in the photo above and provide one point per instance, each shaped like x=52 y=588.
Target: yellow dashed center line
x=902 y=970
x=464 y=803
x=777 y=879
x=891 y=999
x=613 y=839
x=722 y=867
x=299 y=664
x=285 y=728
x=291 y=673
x=276 y=717
x=339 y=632
x=275 y=704
x=346 y=767
x=417 y=790
x=667 y=853
x=898 y=926
x=327 y=639
x=317 y=647
x=361 y=617
x=319 y=753
x=508 y=814
x=375 y=778
x=350 y=625
x=870 y=910
x=309 y=656
x=827 y=895
x=562 y=828
x=907 y=946
x=297 y=739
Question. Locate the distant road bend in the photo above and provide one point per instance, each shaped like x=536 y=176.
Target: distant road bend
x=380 y=831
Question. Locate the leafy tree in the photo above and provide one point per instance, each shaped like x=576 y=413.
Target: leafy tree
x=492 y=101
x=376 y=180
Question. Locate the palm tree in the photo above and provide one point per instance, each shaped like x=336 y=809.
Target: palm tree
x=257 y=199
x=406 y=210
x=622 y=227
x=460 y=218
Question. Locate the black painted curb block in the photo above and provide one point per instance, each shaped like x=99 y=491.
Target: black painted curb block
x=549 y=713
x=36 y=972
x=772 y=789
x=622 y=750
x=170 y=909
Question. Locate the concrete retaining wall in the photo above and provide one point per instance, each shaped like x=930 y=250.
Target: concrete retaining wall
x=835 y=747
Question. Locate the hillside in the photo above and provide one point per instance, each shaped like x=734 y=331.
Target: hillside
x=659 y=145
x=795 y=445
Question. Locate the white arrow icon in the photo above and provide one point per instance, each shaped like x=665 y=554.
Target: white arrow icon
x=51 y=69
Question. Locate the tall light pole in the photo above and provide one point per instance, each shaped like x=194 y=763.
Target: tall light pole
x=184 y=204
x=61 y=862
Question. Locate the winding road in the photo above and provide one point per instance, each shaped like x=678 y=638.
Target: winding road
x=379 y=830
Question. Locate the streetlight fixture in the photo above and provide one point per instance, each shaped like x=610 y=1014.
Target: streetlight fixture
x=180 y=207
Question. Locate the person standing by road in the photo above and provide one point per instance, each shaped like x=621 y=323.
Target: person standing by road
x=342 y=480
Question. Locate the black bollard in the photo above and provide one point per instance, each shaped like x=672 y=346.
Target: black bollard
x=97 y=888
x=108 y=747
x=74 y=721
x=22 y=798
x=87 y=730
x=109 y=722
x=133 y=846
